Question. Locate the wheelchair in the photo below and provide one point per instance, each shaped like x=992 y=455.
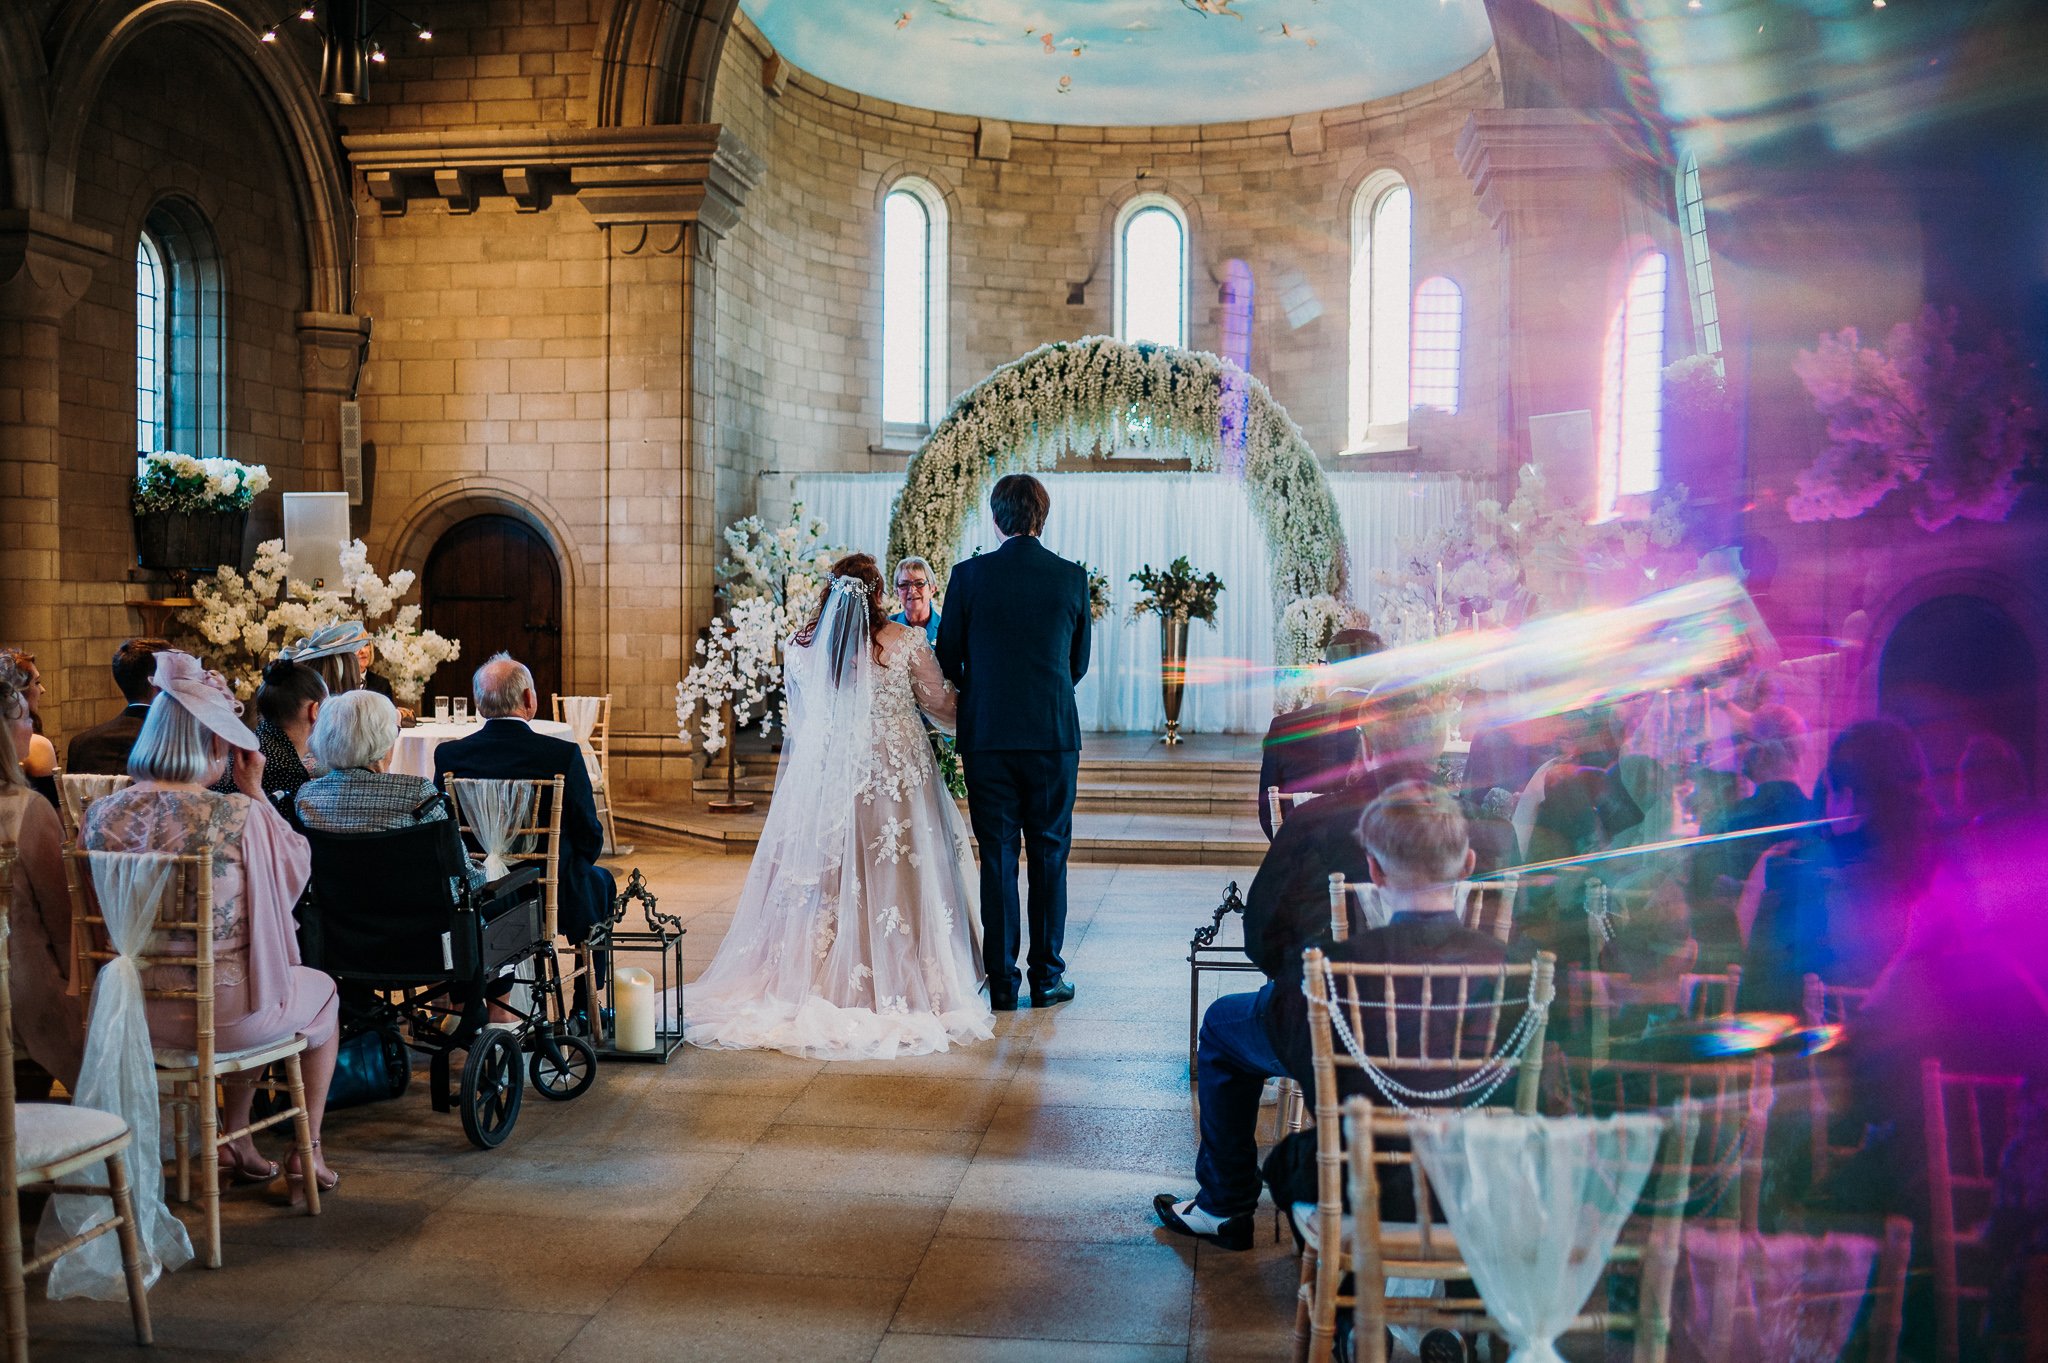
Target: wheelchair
x=414 y=951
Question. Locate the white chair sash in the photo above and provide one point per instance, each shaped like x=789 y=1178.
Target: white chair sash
x=1785 y=1297
x=119 y=1076
x=496 y=811
x=580 y=714
x=1536 y=1204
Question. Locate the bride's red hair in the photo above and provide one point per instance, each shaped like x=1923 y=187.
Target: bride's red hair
x=862 y=568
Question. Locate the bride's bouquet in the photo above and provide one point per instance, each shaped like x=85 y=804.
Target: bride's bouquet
x=948 y=758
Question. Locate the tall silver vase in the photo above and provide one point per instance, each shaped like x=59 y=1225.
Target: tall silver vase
x=1173 y=671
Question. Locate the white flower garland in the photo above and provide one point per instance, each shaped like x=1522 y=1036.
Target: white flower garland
x=1100 y=393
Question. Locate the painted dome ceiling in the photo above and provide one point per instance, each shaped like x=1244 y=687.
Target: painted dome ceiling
x=1126 y=62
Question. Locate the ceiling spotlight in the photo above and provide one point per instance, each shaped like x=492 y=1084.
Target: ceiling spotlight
x=426 y=35
x=270 y=34
x=1877 y=4
x=377 y=54
x=1695 y=4
x=307 y=14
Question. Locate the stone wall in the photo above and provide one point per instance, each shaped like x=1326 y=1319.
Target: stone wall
x=800 y=289
x=174 y=117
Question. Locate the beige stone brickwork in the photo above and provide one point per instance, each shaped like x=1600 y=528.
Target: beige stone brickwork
x=800 y=298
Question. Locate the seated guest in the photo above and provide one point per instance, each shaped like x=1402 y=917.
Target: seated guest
x=102 y=750
x=1318 y=747
x=1840 y=903
x=36 y=755
x=506 y=749
x=287 y=704
x=332 y=651
x=261 y=992
x=47 y=1024
x=914 y=589
x=1773 y=746
x=353 y=739
x=1991 y=781
x=1416 y=852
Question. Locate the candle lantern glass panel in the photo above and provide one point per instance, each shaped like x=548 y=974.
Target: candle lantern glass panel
x=641 y=1004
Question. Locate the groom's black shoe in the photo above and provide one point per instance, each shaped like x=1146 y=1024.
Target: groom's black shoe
x=1235 y=1233
x=1059 y=993
x=1003 y=1003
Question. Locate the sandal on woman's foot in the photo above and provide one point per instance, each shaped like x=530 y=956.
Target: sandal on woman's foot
x=296 y=1181
x=242 y=1175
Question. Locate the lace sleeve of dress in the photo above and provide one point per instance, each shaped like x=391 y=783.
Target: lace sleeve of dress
x=935 y=695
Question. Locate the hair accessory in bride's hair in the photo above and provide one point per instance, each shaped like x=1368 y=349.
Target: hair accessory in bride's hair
x=850 y=586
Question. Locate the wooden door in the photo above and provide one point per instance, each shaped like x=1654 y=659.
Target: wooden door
x=493 y=583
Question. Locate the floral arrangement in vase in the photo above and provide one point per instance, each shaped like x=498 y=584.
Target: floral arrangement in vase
x=1949 y=425
x=787 y=565
x=1099 y=604
x=1177 y=592
x=1491 y=564
x=169 y=481
x=738 y=663
x=239 y=623
x=1310 y=623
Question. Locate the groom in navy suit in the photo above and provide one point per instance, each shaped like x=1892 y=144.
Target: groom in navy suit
x=1014 y=640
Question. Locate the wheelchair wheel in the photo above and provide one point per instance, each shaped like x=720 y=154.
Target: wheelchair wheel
x=566 y=1077
x=491 y=1089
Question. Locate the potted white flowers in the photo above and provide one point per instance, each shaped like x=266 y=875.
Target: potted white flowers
x=237 y=623
x=190 y=513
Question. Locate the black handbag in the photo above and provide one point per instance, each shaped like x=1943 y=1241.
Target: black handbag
x=369 y=1067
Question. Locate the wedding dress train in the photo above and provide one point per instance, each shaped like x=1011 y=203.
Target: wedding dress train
x=855 y=934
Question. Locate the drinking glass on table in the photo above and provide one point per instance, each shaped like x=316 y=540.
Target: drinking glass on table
x=462 y=709
x=440 y=709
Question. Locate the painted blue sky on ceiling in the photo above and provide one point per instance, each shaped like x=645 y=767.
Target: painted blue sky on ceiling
x=1127 y=62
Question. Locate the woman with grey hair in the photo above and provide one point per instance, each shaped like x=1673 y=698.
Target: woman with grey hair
x=262 y=994
x=353 y=738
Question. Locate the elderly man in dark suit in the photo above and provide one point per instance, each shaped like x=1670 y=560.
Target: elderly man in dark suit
x=506 y=749
x=103 y=749
x=1014 y=640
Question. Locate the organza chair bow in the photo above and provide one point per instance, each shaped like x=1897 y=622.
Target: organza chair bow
x=1536 y=1204
x=495 y=812
x=119 y=1076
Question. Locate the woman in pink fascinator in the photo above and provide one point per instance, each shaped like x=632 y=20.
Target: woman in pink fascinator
x=194 y=733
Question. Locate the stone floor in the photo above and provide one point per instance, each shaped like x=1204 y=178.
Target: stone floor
x=988 y=1204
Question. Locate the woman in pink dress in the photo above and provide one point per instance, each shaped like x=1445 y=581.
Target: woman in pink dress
x=261 y=992
x=46 y=1022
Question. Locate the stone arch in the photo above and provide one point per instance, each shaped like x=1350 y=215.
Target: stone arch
x=1099 y=391
x=24 y=126
x=415 y=531
x=1998 y=591
x=656 y=61
x=101 y=31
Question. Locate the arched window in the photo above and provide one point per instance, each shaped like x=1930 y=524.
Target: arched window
x=1152 y=271
x=1699 y=265
x=914 y=387
x=1632 y=390
x=149 y=345
x=180 y=336
x=1433 y=355
x=1382 y=242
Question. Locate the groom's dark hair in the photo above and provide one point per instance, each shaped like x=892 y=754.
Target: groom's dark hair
x=1019 y=503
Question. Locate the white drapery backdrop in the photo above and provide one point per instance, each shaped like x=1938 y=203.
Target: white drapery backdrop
x=1117 y=522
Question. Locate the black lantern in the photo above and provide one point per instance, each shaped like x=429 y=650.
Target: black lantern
x=345 y=53
x=641 y=1007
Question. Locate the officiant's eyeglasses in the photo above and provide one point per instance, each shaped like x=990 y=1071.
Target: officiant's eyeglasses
x=912 y=584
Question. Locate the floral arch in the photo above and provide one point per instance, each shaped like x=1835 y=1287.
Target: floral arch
x=1101 y=393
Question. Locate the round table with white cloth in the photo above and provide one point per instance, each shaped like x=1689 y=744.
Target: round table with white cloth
x=414 y=754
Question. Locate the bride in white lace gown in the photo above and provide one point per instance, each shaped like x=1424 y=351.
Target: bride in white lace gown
x=855 y=934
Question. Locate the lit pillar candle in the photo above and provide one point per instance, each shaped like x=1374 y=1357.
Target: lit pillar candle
x=633 y=1008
